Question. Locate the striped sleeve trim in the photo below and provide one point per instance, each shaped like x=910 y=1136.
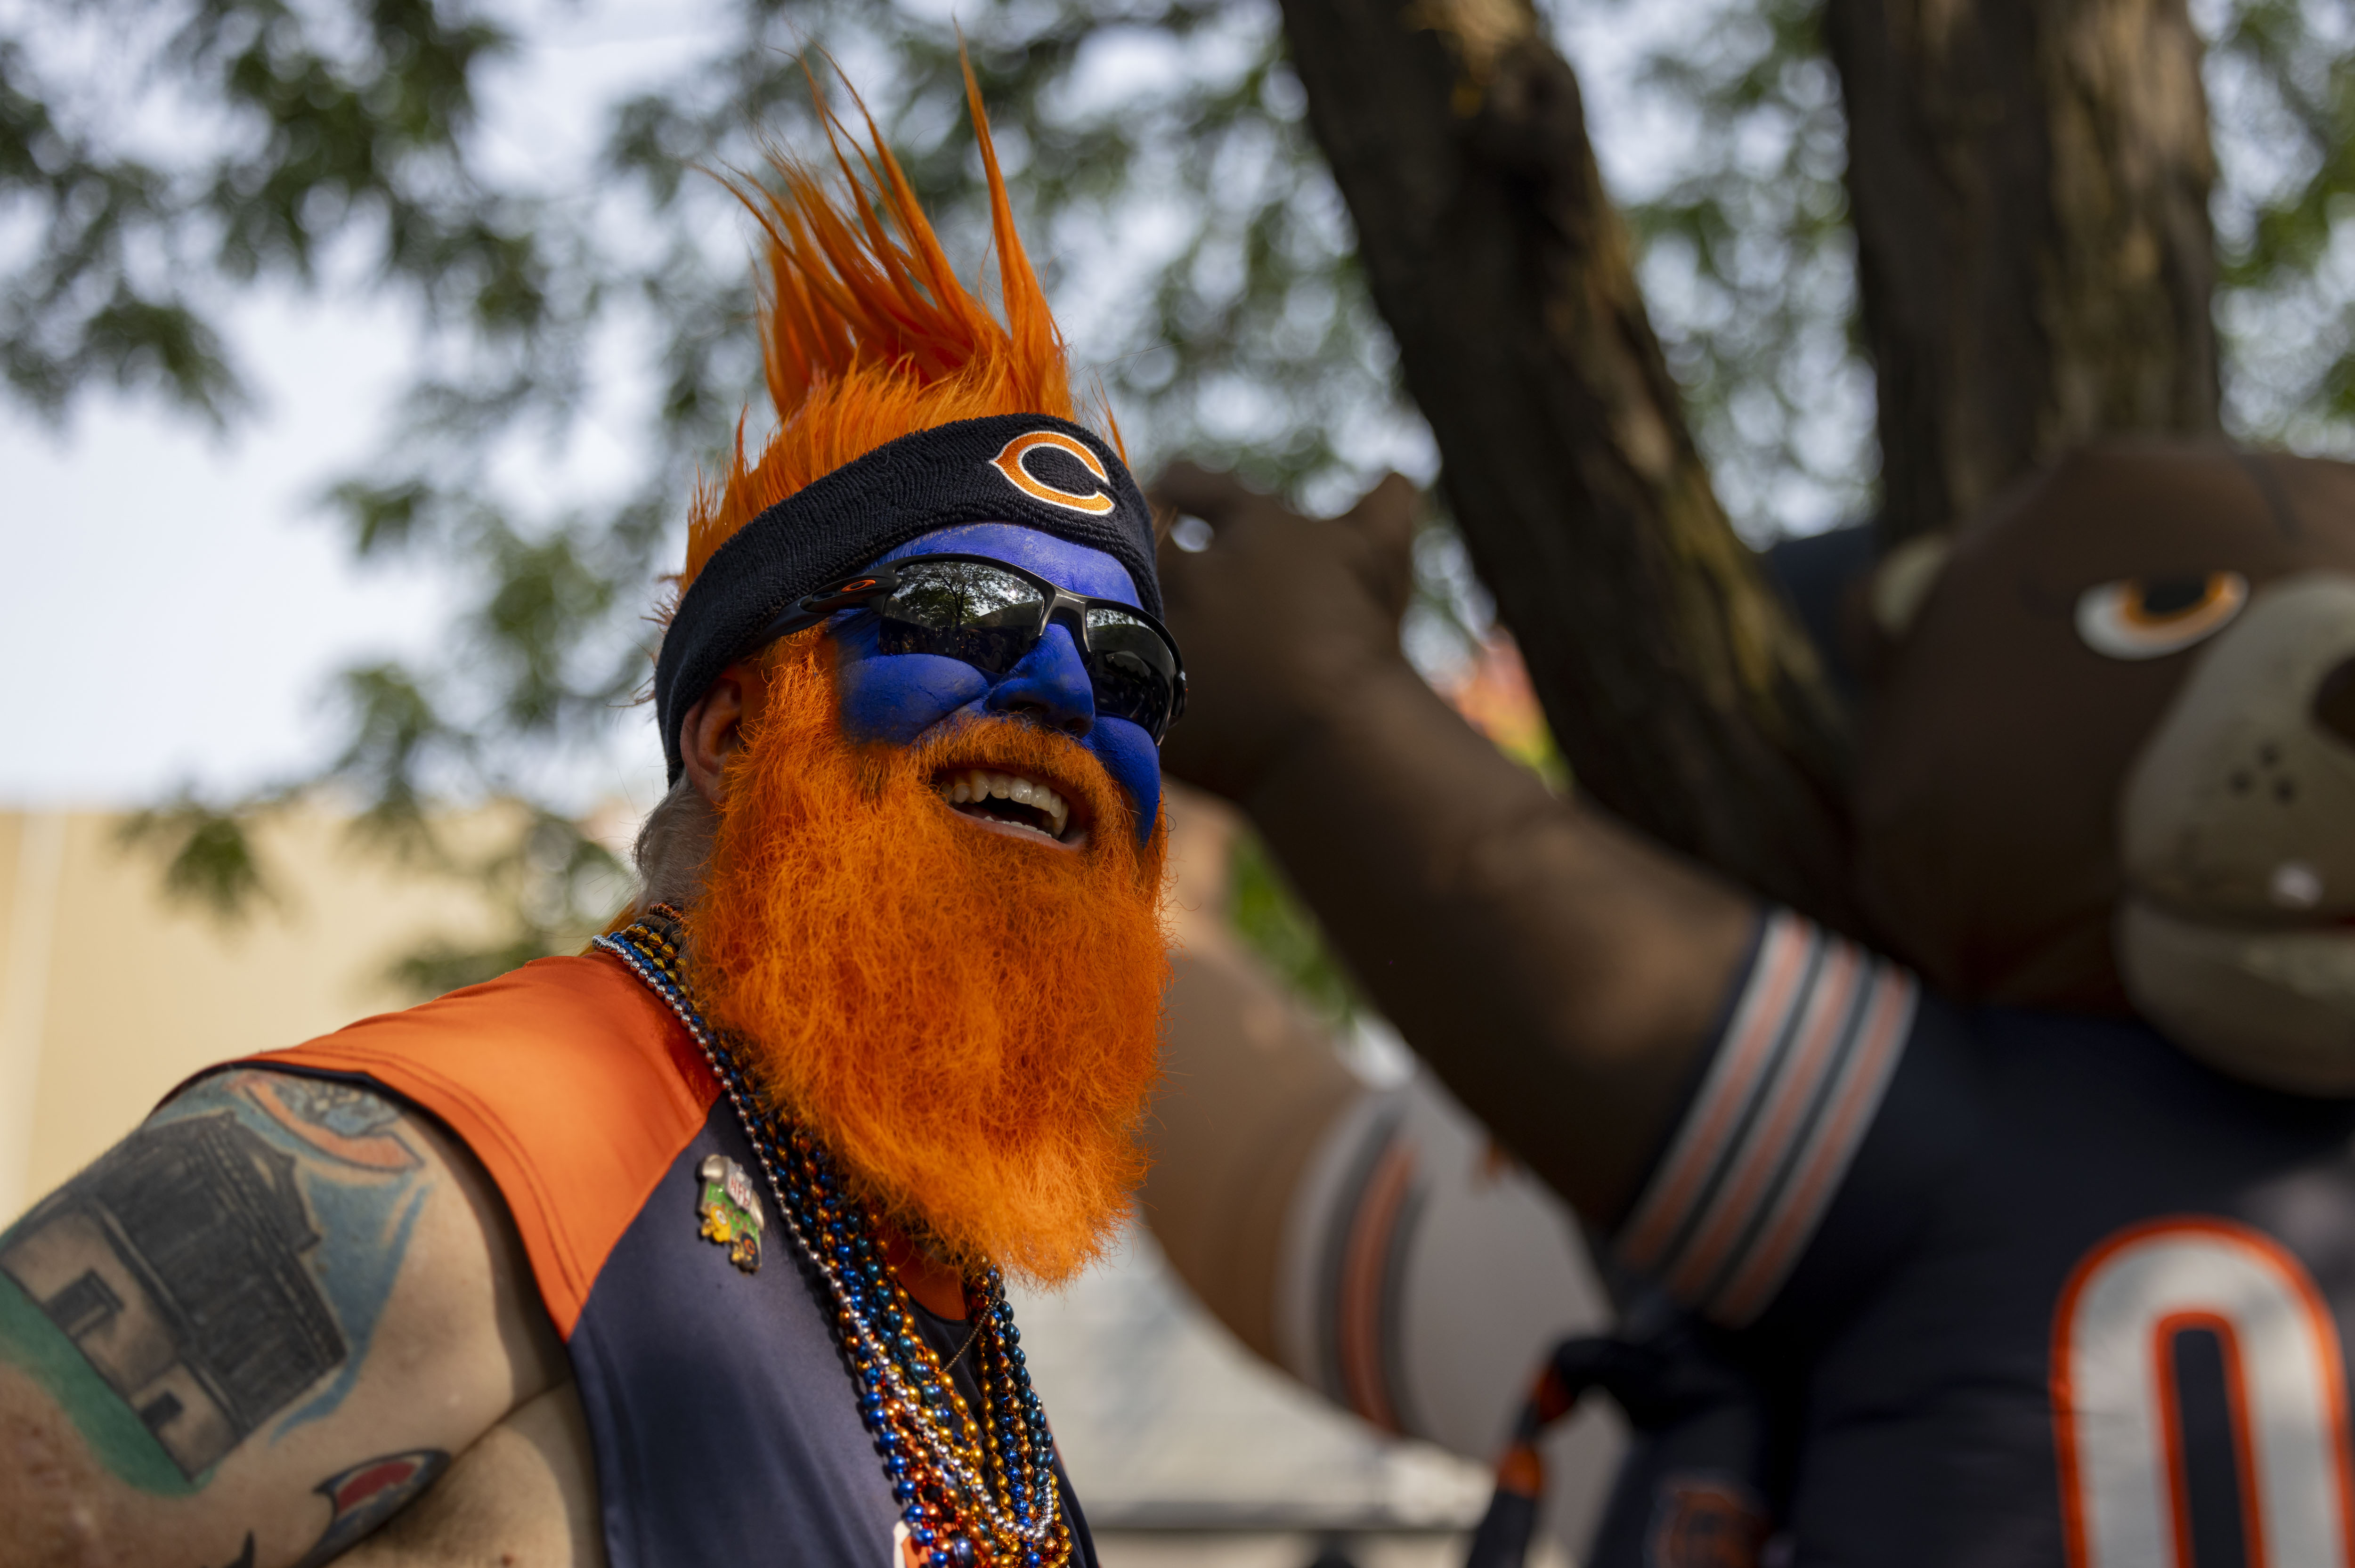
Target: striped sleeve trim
x=1350 y=1238
x=1807 y=1054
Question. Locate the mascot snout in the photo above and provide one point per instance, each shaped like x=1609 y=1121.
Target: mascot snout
x=2236 y=935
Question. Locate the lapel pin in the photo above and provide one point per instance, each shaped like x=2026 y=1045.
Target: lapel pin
x=730 y=1210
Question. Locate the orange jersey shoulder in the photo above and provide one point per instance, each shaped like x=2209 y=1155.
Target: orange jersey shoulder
x=573 y=1085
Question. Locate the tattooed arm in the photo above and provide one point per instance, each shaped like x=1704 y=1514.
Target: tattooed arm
x=253 y=1331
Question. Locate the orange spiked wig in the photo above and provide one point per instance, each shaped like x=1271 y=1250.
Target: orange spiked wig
x=904 y=406
x=867 y=335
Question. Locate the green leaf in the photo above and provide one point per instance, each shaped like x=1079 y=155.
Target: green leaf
x=1265 y=912
x=209 y=855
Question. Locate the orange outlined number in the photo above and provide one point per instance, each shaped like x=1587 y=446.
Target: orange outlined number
x=1013 y=461
x=2117 y=1417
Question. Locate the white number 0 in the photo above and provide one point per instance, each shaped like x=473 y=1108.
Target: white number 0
x=2116 y=1419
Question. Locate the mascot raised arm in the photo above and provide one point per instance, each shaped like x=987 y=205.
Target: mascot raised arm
x=2018 y=1230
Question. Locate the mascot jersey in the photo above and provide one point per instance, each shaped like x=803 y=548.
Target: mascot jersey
x=2036 y=1249
x=2014 y=1289
x=720 y=1411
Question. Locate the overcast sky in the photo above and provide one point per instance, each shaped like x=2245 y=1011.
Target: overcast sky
x=179 y=596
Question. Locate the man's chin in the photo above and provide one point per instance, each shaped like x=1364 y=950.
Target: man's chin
x=1044 y=1249
x=976 y=1180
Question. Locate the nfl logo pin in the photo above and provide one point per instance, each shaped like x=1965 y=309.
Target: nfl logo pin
x=731 y=1211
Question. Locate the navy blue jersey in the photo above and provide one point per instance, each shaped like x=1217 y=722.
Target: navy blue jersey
x=2015 y=1289
x=722 y=1415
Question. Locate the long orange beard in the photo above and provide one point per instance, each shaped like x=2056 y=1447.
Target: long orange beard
x=969 y=1021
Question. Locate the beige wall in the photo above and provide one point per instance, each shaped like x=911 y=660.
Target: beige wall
x=110 y=995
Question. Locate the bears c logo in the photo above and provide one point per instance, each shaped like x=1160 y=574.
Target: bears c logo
x=1013 y=461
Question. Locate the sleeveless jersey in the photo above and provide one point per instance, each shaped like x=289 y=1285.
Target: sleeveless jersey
x=2014 y=1290
x=720 y=1411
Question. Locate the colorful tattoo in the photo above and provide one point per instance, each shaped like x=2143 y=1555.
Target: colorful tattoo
x=367 y=1495
x=338 y=1120
x=229 y=1257
x=363 y=1498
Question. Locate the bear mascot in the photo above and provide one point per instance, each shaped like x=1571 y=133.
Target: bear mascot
x=2015 y=1230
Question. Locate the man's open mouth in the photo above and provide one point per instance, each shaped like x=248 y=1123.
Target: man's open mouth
x=1010 y=800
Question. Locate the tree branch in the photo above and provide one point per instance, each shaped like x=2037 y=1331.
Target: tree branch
x=1682 y=693
x=2030 y=179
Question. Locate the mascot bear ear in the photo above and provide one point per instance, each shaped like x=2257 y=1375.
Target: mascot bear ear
x=1901 y=583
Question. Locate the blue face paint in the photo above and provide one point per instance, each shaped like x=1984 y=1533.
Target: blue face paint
x=897 y=697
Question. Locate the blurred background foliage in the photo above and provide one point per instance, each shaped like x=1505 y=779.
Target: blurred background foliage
x=1266 y=912
x=157 y=158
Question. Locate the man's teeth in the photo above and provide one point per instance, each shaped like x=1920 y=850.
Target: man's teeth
x=976 y=784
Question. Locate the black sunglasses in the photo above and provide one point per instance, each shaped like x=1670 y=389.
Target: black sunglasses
x=991 y=615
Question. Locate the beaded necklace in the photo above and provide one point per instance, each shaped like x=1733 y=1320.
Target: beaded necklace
x=972 y=1494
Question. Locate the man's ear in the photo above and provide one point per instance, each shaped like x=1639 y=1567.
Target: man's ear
x=714 y=729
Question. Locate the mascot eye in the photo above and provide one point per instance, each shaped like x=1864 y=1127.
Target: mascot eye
x=2150 y=617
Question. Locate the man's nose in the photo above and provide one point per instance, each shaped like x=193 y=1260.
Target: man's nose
x=2334 y=700
x=1049 y=685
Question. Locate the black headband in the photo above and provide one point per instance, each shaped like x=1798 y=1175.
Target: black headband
x=1031 y=470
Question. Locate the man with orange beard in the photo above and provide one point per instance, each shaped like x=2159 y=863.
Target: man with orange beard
x=690 y=1250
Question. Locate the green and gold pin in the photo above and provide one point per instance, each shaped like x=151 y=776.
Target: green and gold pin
x=730 y=1210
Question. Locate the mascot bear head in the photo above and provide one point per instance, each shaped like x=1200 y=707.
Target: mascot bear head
x=2110 y=762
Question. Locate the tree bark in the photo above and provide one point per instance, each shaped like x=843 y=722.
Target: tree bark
x=1682 y=693
x=2030 y=182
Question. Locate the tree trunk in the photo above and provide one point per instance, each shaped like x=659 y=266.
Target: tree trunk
x=1682 y=693
x=2030 y=180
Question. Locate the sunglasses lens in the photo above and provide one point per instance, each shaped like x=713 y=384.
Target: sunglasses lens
x=1132 y=670
x=962 y=610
